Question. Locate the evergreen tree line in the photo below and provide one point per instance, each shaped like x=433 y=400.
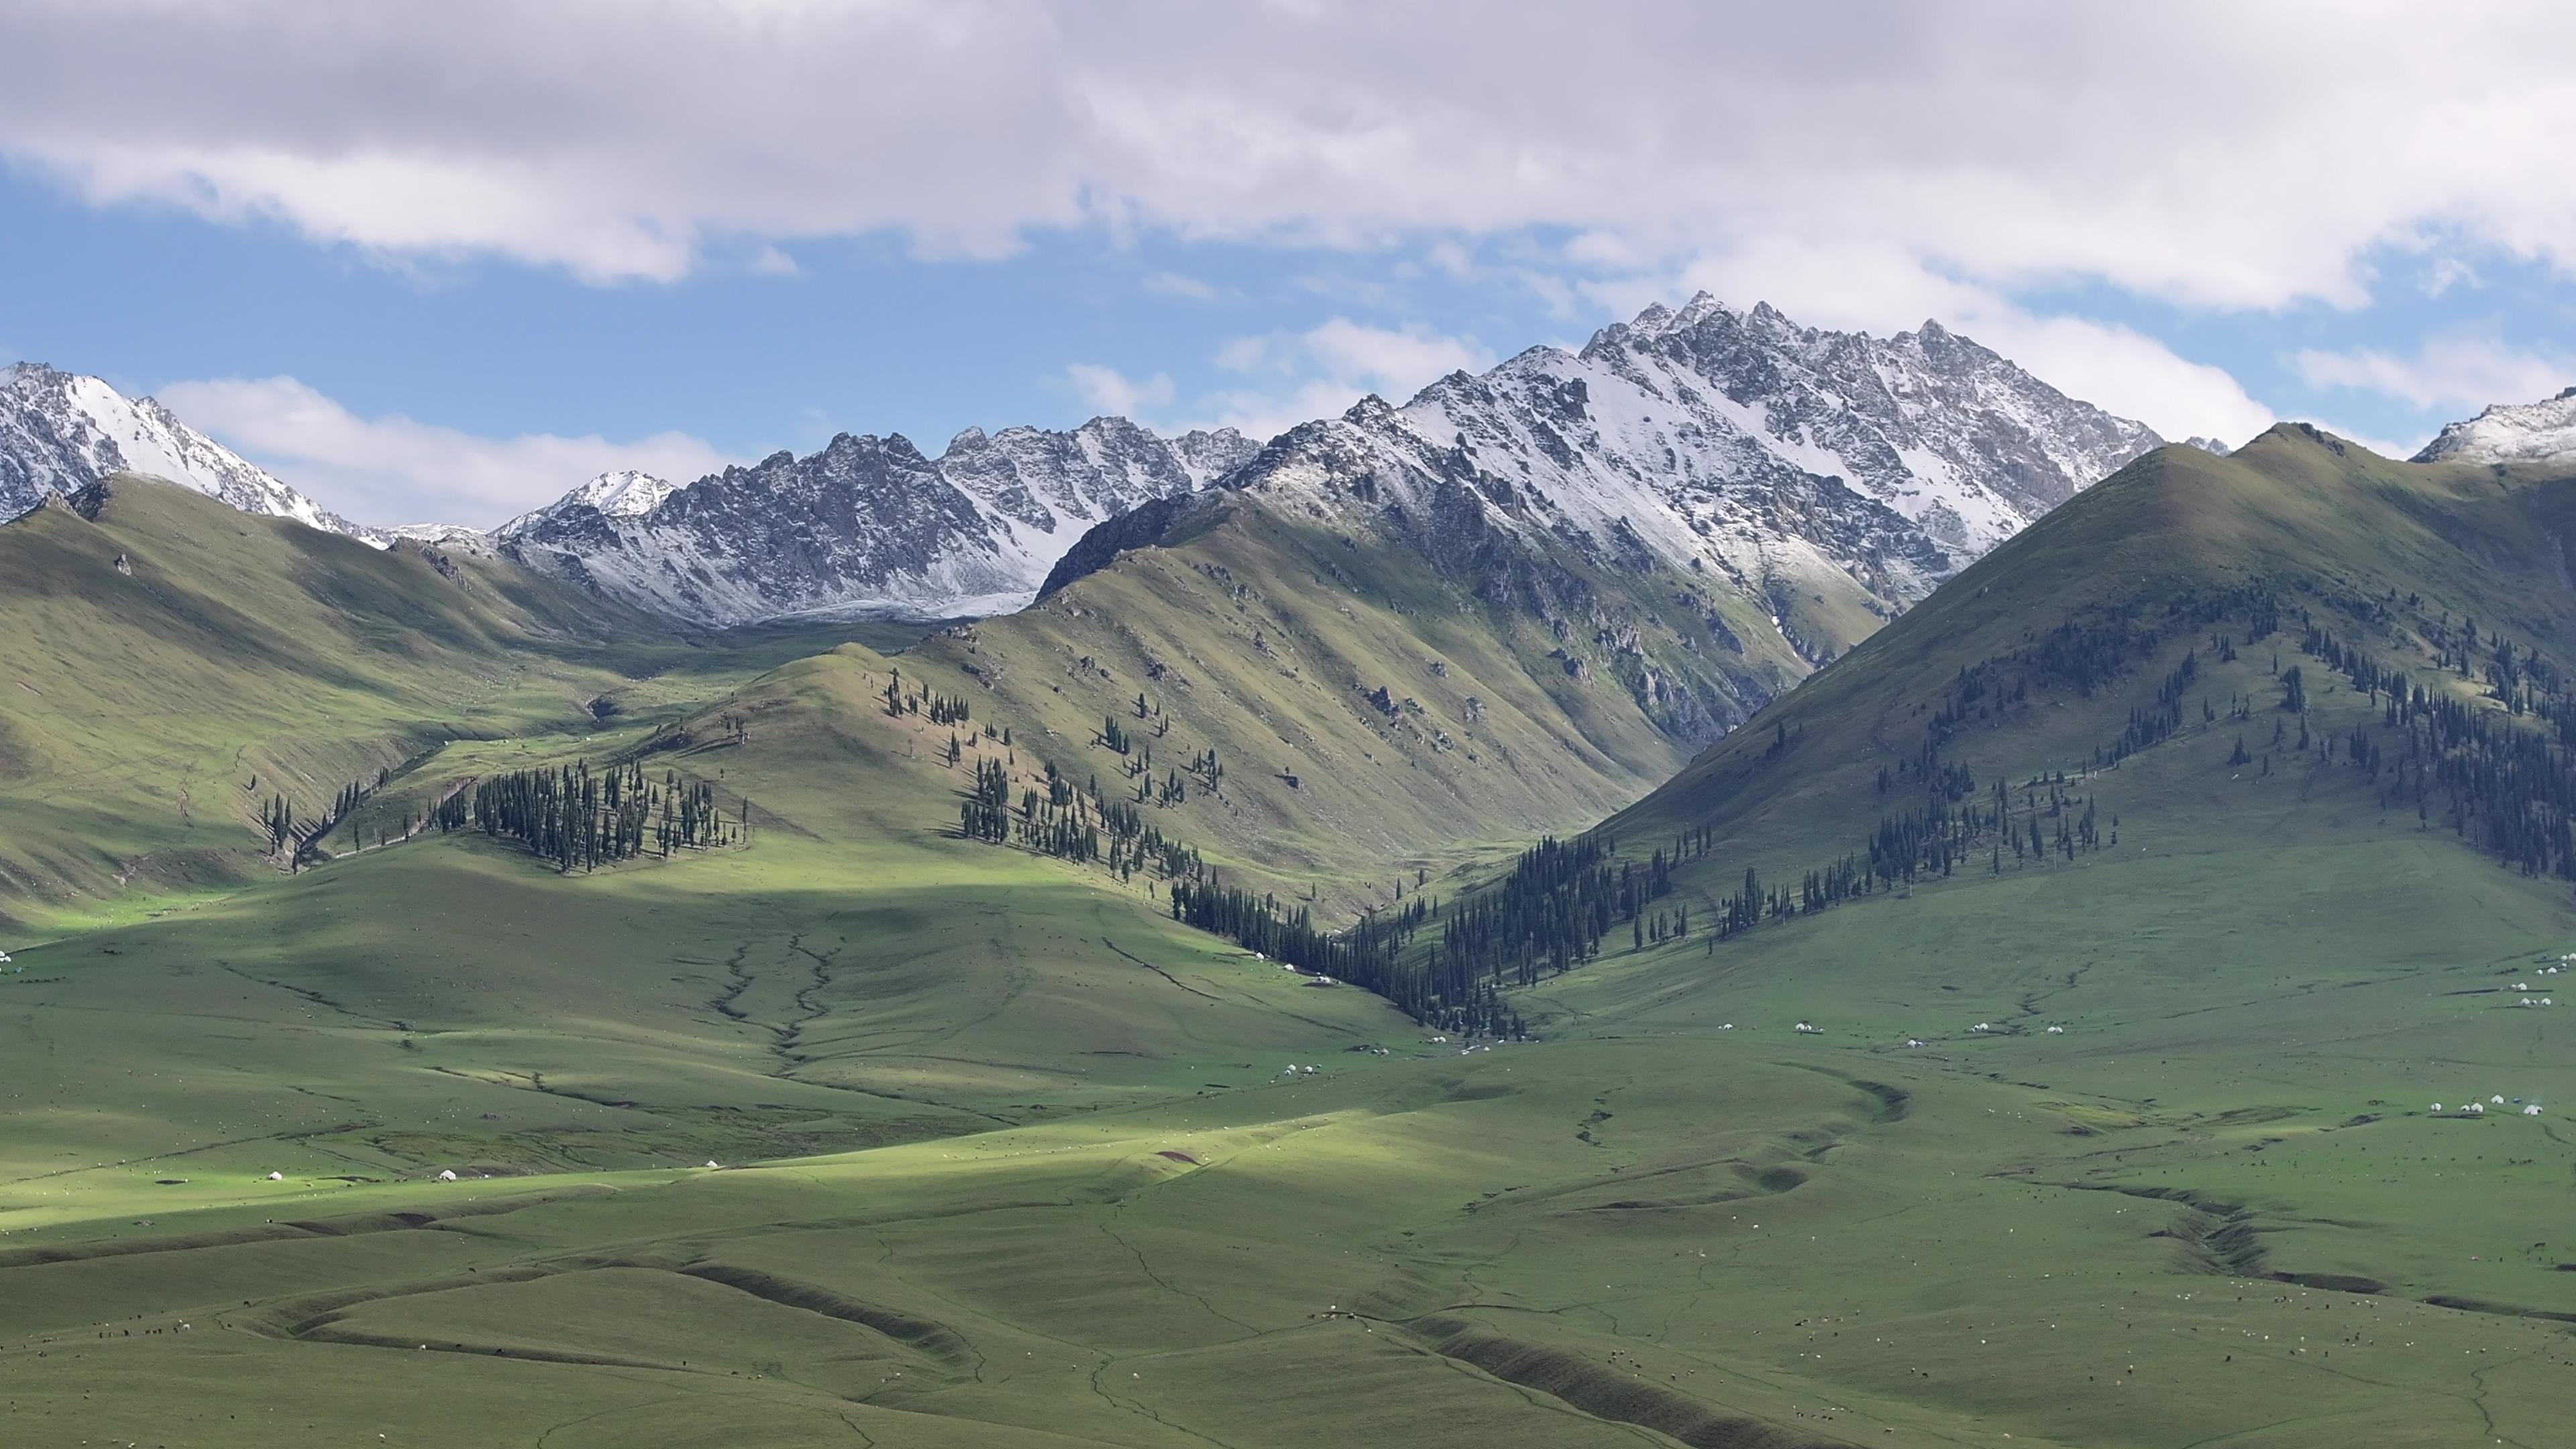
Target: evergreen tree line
x=1369 y=955
x=1543 y=919
x=284 y=833
x=582 y=820
x=2151 y=725
x=2501 y=785
x=942 y=709
x=1070 y=824
x=2089 y=653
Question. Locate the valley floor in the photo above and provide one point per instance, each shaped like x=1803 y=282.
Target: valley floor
x=1008 y=1159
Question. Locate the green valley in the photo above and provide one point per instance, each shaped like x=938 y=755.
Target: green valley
x=2028 y=1029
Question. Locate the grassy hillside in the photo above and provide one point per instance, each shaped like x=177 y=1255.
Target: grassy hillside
x=2392 y=558
x=1009 y=1158
x=172 y=666
x=1379 y=706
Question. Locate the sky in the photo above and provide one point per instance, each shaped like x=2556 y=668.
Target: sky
x=445 y=262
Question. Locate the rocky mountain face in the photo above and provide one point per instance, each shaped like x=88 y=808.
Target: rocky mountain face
x=1832 y=478
x=1834 y=473
x=2540 y=432
x=61 y=432
x=867 y=525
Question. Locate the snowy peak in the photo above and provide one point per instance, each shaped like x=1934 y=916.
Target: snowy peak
x=1831 y=479
x=1740 y=445
x=1957 y=440
x=61 y=432
x=2539 y=432
x=867 y=524
x=623 y=494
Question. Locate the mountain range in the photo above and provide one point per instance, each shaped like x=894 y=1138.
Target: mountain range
x=1969 y=990
x=2538 y=432
x=867 y=525
x=61 y=432
x=1850 y=470
x=1773 y=455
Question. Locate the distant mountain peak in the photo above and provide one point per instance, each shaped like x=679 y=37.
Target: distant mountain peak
x=63 y=431
x=1822 y=472
x=624 y=493
x=866 y=525
x=2534 y=432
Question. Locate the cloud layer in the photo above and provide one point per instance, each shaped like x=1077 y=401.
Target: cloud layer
x=2461 y=373
x=394 y=470
x=2211 y=154
x=1862 y=165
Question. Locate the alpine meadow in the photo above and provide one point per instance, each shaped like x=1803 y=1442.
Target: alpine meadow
x=1734 y=882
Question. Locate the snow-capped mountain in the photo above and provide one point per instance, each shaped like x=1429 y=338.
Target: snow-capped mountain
x=867 y=525
x=2540 y=432
x=1794 y=463
x=1718 y=440
x=61 y=432
x=623 y=494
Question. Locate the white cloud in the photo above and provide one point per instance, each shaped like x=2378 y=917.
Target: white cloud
x=1112 y=391
x=395 y=470
x=1885 y=289
x=1389 y=360
x=1265 y=413
x=1295 y=377
x=2208 y=153
x=2462 y=374
x=1177 y=284
x=2384 y=447
x=2448 y=272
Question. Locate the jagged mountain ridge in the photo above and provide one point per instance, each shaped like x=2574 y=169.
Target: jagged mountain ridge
x=866 y=525
x=1831 y=478
x=2538 y=432
x=1756 y=446
x=61 y=432
x=1835 y=477
x=1833 y=470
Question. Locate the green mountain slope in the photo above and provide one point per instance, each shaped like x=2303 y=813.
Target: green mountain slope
x=2032 y=662
x=1009 y=1157
x=1382 y=699
x=172 y=666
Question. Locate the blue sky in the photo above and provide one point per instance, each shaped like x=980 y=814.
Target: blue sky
x=449 y=264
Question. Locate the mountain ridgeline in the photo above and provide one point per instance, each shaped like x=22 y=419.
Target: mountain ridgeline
x=866 y=525
x=2051 y=976
x=61 y=432
x=1832 y=477
x=2302 y=641
x=1378 y=644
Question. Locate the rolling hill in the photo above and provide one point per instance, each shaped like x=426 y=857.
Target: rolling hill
x=173 y=666
x=2102 y=1114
